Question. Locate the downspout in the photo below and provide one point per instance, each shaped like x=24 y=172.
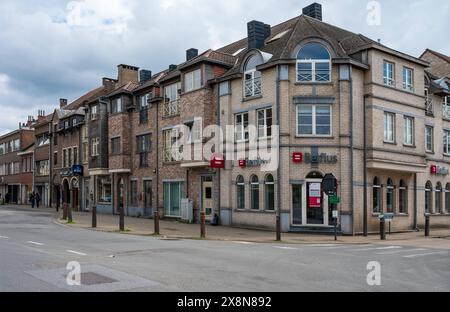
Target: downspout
x=277 y=104
x=415 y=203
x=352 y=148
x=50 y=160
x=157 y=153
x=365 y=214
x=218 y=124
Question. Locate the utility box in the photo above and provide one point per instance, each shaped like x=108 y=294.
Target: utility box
x=187 y=210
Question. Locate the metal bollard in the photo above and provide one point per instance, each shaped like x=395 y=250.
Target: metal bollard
x=202 y=224
x=94 y=216
x=64 y=211
x=122 y=219
x=427 y=225
x=156 y=220
x=382 y=228
x=278 y=228
x=69 y=214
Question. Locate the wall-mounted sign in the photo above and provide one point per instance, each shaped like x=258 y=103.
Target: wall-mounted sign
x=439 y=170
x=243 y=163
x=315 y=195
x=217 y=162
x=77 y=170
x=297 y=157
x=320 y=158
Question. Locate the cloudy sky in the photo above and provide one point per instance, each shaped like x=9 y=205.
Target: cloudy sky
x=51 y=49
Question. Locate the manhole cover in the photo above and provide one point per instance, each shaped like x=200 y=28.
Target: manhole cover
x=91 y=278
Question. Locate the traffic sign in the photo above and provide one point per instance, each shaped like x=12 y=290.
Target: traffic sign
x=334 y=200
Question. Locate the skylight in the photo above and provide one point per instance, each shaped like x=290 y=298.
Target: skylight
x=279 y=36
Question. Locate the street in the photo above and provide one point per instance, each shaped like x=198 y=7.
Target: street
x=35 y=251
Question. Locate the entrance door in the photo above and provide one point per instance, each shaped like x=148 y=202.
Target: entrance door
x=148 y=198
x=207 y=198
x=297 y=205
x=314 y=202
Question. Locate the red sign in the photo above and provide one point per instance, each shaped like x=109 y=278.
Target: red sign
x=315 y=202
x=433 y=169
x=242 y=163
x=217 y=162
x=297 y=157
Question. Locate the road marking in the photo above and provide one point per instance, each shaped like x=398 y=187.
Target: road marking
x=380 y=248
x=76 y=252
x=245 y=243
x=425 y=254
x=399 y=251
x=321 y=245
x=285 y=248
x=35 y=243
x=4 y=237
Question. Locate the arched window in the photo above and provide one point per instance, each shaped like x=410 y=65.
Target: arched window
x=403 y=197
x=313 y=63
x=428 y=197
x=447 y=198
x=269 y=190
x=390 y=196
x=240 y=192
x=376 y=196
x=252 y=77
x=438 y=198
x=254 y=192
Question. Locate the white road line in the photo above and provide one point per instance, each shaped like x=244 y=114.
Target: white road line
x=245 y=243
x=425 y=254
x=4 y=237
x=76 y=253
x=380 y=248
x=399 y=251
x=321 y=245
x=285 y=248
x=35 y=243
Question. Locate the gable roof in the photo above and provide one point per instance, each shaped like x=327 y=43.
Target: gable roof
x=440 y=55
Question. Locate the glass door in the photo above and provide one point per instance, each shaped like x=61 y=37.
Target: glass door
x=207 y=198
x=314 y=202
x=297 y=205
x=172 y=199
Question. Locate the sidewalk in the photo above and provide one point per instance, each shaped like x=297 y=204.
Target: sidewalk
x=179 y=230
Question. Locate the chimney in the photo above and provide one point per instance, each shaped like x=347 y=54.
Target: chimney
x=191 y=53
x=127 y=73
x=258 y=32
x=314 y=10
x=41 y=116
x=109 y=83
x=172 y=67
x=145 y=75
x=62 y=103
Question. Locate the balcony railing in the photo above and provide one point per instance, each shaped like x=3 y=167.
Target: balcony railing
x=429 y=107
x=171 y=108
x=252 y=87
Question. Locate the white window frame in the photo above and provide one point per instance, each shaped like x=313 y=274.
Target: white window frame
x=190 y=81
x=241 y=129
x=314 y=121
x=95 y=144
x=264 y=126
x=446 y=142
x=408 y=79
x=389 y=132
x=408 y=132
x=172 y=105
x=116 y=106
x=446 y=107
x=427 y=137
x=388 y=80
x=313 y=70
x=252 y=84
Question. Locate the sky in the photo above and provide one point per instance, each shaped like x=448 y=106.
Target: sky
x=52 y=49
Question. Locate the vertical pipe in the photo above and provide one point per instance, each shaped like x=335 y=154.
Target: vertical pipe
x=415 y=202
x=278 y=214
x=365 y=214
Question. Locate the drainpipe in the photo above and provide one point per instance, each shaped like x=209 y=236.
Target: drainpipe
x=157 y=153
x=50 y=160
x=218 y=124
x=415 y=202
x=352 y=148
x=365 y=214
x=277 y=104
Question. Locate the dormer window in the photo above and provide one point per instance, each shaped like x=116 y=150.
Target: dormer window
x=193 y=80
x=116 y=106
x=313 y=64
x=252 y=77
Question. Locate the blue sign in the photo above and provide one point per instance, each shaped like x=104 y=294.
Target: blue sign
x=77 y=170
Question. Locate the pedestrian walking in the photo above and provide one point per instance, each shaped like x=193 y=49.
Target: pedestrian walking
x=7 y=198
x=32 y=199
x=38 y=199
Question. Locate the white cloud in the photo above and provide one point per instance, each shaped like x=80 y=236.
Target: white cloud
x=4 y=88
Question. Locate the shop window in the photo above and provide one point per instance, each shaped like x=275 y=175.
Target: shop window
x=134 y=193
x=376 y=196
x=403 y=197
x=104 y=190
x=428 y=197
x=438 y=198
x=390 y=196
x=240 y=192
x=172 y=199
x=269 y=190
x=254 y=191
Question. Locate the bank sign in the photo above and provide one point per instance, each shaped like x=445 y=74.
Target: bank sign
x=439 y=170
x=310 y=158
x=76 y=170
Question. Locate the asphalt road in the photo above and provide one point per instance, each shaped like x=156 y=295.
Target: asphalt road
x=34 y=253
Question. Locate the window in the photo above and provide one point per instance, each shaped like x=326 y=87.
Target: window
x=428 y=197
x=388 y=73
x=376 y=189
x=2 y=148
x=43 y=168
x=170 y=138
x=269 y=193
x=104 y=189
x=252 y=77
x=403 y=197
x=115 y=146
x=240 y=192
x=408 y=83
x=172 y=199
x=171 y=99
x=42 y=140
x=313 y=64
x=446 y=107
x=193 y=80
x=133 y=193
x=195 y=131
x=116 y=106
x=65 y=159
x=66 y=124
x=438 y=198
x=55 y=158
x=429 y=107
x=447 y=198
x=75 y=156
x=94 y=112
x=69 y=153
x=144 y=147
x=409 y=131
x=143 y=108
x=241 y=127
x=265 y=123
x=254 y=192
x=55 y=135
x=95 y=147
x=313 y=120
x=390 y=196
x=389 y=127
x=446 y=142
x=85 y=152
x=429 y=139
